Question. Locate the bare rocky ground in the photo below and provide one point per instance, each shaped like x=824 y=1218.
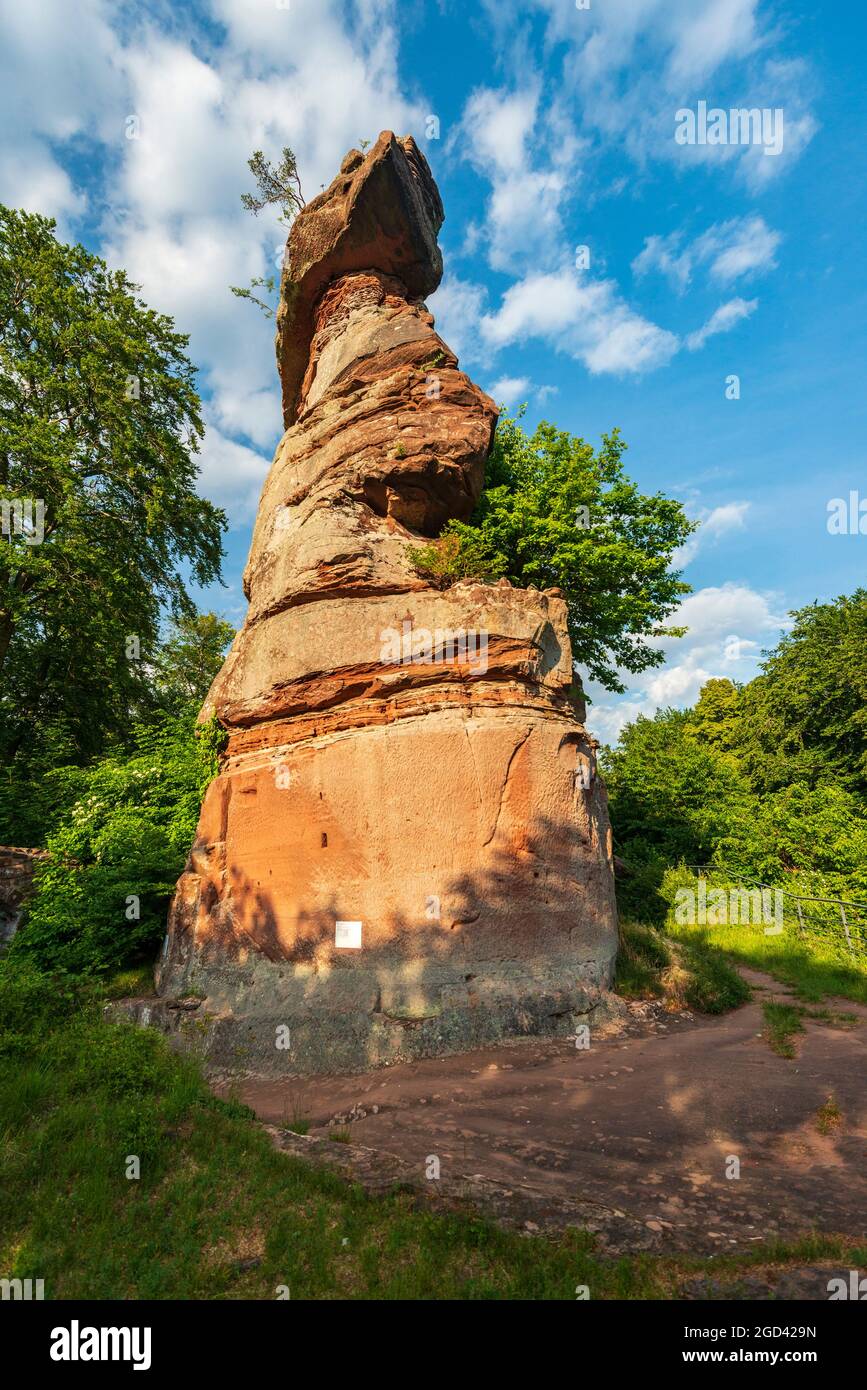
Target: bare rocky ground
x=630 y=1139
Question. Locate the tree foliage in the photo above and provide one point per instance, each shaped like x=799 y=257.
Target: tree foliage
x=39 y=786
x=277 y=185
x=766 y=780
x=100 y=422
x=116 y=850
x=557 y=513
x=807 y=712
x=189 y=659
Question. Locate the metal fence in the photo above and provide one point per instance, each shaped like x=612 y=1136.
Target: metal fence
x=839 y=924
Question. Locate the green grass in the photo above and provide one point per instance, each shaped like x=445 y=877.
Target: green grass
x=687 y=972
x=137 y=979
x=643 y=957
x=811 y=969
x=218 y=1212
x=782 y=1025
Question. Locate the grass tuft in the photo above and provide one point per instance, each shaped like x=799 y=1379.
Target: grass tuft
x=687 y=972
x=782 y=1025
x=829 y=1117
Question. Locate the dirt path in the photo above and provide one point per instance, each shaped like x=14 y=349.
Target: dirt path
x=646 y=1122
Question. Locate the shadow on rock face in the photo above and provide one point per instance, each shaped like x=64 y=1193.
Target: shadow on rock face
x=519 y=947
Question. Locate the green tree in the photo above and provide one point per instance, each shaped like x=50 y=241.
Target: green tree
x=189 y=659
x=671 y=793
x=672 y=797
x=557 y=513
x=812 y=839
x=99 y=426
x=718 y=716
x=39 y=787
x=806 y=714
x=277 y=185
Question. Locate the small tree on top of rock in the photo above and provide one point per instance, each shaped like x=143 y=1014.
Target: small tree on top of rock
x=277 y=185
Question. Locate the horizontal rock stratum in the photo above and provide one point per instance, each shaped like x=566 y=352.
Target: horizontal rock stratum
x=407 y=849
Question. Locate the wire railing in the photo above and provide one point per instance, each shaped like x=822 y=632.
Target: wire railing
x=836 y=922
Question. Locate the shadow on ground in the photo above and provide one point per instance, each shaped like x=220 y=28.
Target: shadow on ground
x=644 y=1125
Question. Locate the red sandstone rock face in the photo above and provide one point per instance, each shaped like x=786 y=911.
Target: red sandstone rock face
x=382 y=211
x=401 y=758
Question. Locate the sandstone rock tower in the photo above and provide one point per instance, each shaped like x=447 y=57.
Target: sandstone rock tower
x=407 y=850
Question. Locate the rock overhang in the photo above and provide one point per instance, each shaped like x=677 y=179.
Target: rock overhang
x=382 y=211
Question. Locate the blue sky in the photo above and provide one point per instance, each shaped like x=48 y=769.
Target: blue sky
x=555 y=128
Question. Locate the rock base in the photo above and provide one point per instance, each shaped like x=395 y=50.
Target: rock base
x=290 y=1035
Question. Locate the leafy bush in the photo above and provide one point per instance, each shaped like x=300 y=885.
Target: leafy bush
x=812 y=840
x=41 y=779
x=37 y=788
x=700 y=786
x=31 y=1004
x=100 y=899
x=456 y=555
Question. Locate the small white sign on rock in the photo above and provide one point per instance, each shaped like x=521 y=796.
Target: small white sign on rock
x=347 y=936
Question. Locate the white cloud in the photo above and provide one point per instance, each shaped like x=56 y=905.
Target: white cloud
x=511 y=390
x=713 y=524
x=711 y=34
x=587 y=319
x=241 y=407
x=721 y=320
x=318 y=76
x=191 y=147
x=31 y=179
x=59 y=80
x=524 y=221
x=741 y=247
x=606 y=717
x=515 y=390
x=528 y=154
x=498 y=128
x=457 y=306
x=538 y=306
x=786 y=85
x=728 y=627
x=730 y=516
x=60 y=67
x=664 y=254
x=230 y=474
x=629 y=65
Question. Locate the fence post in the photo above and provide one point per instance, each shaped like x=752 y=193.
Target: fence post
x=800 y=917
x=846 y=930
